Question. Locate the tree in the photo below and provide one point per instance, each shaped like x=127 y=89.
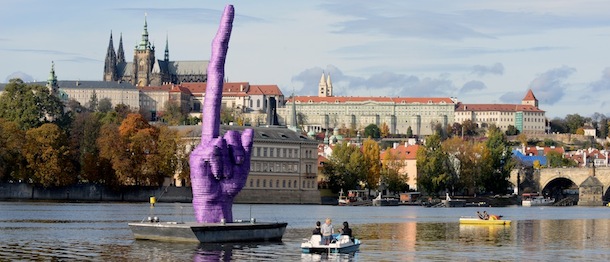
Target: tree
x=104 y=105
x=29 y=105
x=433 y=166
x=467 y=160
x=372 y=163
x=554 y=159
x=385 y=130
x=391 y=171
x=497 y=163
x=409 y=132
x=93 y=102
x=173 y=114
x=47 y=154
x=559 y=125
x=603 y=127
x=574 y=122
x=345 y=167
x=512 y=130
x=372 y=130
x=470 y=128
x=12 y=163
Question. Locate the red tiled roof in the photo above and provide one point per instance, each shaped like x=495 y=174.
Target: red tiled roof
x=534 y=151
x=407 y=152
x=497 y=107
x=360 y=99
x=265 y=90
x=529 y=96
x=227 y=88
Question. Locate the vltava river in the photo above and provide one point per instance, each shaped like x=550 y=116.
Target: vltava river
x=99 y=232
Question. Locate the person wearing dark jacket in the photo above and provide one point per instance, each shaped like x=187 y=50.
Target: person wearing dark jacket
x=316 y=231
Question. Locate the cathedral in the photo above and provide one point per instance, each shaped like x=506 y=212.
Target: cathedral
x=146 y=70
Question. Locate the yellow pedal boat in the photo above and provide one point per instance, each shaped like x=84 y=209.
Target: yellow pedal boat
x=478 y=221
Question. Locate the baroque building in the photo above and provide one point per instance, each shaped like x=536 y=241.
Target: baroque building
x=526 y=117
x=146 y=70
x=421 y=114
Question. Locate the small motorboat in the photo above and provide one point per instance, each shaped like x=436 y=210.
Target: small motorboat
x=478 y=221
x=339 y=244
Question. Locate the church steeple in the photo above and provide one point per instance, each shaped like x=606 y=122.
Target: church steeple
x=52 y=81
x=120 y=56
x=144 y=43
x=325 y=87
x=166 y=57
x=110 y=62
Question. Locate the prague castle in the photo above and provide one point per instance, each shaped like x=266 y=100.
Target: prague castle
x=146 y=70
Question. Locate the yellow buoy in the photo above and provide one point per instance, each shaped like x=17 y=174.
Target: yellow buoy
x=153 y=200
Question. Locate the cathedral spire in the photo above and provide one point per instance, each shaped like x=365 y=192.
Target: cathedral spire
x=110 y=62
x=120 y=56
x=144 y=43
x=166 y=48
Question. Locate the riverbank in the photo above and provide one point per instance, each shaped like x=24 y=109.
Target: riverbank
x=169 y=194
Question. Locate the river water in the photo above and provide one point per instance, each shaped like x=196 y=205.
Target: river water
x=99 y=232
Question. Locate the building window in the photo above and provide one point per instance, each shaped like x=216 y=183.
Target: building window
x=258 y=183
x=295 y=184
x=251 y=183
x=289 y=184
x=264 y=182
x=272 y=151
x=277 y=183
x=265 y=152
x=284 y=183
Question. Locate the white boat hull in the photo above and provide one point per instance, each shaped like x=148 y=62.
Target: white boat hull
x=341 y=244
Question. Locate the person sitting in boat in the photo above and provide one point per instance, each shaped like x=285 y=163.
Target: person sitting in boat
x=347 y=231
x=327 y=231
x=481 y=216
x=317 y=230
x=485 y=215
x=494 y=217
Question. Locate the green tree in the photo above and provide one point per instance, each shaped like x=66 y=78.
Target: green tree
x=497 y=163
x=29 y=105
x=47 y=154
x=512 y=131
x=433 y=166
x=104 y=105
x=574 y=122
x=372 y=130
x=470 y=128
x=559 y=125
x=173 y=114
x=93 y=102
x=345 y=167
x=409 y=132
x=554 y=159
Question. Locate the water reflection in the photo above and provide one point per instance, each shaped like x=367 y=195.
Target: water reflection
x=99 y=232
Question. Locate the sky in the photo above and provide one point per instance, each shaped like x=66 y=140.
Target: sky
x=478 y=51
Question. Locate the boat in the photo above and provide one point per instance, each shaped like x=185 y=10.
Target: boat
x=238 y=231
x=343 y=200
x=385 y=201
x=534 y=199
x=339 y=244
x=478 y=221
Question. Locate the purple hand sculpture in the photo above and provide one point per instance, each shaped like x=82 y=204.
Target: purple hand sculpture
x=219 y=165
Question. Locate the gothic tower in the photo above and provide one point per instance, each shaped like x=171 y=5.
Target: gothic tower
x=110 y=63
x=120 y=55
x=166 y=57
x=143 y=59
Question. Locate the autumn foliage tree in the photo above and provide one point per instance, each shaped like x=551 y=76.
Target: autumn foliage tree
x=12 y=162
x=372 y=163
x=433 y=166
x=48 y=156
x=391 y=171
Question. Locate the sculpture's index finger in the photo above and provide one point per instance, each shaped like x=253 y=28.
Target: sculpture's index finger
x=216 y=70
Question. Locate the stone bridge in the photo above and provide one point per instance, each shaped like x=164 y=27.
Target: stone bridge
x=544 y=177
